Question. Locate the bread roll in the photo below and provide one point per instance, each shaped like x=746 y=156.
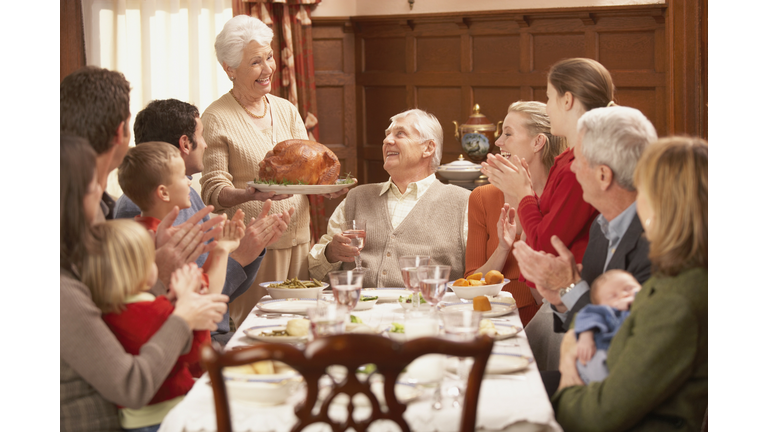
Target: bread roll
x=297 y=327
x=481 y=303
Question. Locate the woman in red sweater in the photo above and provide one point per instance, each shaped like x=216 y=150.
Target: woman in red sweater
x=526 y=135
x=574 y=86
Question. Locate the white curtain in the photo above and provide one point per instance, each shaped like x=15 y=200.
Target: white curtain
x=163 y=47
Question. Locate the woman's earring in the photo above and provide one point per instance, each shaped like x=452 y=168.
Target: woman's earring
x=232 y=78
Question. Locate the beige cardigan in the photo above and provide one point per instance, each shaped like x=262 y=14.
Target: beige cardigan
x=235 y=148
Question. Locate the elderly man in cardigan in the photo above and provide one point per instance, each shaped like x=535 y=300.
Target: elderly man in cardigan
x=412 y=213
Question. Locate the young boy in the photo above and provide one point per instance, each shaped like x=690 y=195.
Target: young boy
x=611 y=293
x=153 y=176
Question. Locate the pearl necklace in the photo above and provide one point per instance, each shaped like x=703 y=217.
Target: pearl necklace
x=248 y=111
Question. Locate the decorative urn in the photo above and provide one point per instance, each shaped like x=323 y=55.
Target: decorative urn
x=477 y=134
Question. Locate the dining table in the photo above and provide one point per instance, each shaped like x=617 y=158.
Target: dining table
x=515 y=401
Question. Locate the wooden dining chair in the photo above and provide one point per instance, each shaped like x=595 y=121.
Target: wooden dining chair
x=350 y=351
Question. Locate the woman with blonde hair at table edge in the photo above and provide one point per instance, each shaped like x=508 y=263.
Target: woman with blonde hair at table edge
x=240 y=128
x=657 y=361
x=526 y=135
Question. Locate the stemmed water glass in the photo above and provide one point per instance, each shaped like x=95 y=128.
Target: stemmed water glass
x=463 y=325
x=355 y=231
x=433 y=281
x=409 y=266
x=347 y=286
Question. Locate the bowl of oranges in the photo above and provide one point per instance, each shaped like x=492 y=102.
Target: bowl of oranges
x=477 y=285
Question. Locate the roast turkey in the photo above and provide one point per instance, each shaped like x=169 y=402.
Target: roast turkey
x=299 y=161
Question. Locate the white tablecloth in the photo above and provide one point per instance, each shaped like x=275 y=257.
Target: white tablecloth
x=519 y=403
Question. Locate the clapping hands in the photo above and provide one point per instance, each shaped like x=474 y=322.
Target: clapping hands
x=511 y=177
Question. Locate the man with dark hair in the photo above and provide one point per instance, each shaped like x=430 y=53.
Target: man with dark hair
x=95 y=104
x=178 y=123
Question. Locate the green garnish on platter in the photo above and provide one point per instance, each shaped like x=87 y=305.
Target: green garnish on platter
x=346 y=180
x=397 y=328
x=368 y=298
x=355 y=320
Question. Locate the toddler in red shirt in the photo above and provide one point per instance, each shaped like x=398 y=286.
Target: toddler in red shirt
x=119 y=270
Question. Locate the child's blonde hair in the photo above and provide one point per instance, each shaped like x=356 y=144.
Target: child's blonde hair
x=117 y=265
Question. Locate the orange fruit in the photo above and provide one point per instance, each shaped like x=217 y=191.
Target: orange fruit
x=473 y=282
x=476 y=276
x=461 y=282
x=494 y=277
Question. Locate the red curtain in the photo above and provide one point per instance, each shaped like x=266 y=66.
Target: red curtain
x=295 y=74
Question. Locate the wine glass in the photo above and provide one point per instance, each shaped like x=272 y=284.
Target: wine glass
x=355 y=231
x=433 y=281
x=409 y=267
x=463 y=325
x=347 y=286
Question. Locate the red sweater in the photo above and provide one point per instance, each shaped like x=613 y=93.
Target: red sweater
x=138 y=323
x=561 y=211
x=485 y=205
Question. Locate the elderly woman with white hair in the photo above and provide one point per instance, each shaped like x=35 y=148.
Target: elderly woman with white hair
x=240 y=128
x=412 y=213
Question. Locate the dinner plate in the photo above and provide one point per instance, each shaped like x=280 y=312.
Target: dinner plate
x=497 y=309
x=290 y=306
x=498 y=363
x=385 y=295
x=302 y=189
x=505 y=330
x=262 y=333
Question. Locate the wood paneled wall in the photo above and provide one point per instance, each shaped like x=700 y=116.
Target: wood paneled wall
x=446 y=63
x=334 y=50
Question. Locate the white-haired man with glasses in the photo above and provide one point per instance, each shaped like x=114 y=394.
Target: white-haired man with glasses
x=412 y=213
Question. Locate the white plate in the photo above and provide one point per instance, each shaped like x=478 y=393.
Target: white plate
x=302 y=189
x=290 y=306
x=365 y=305
x=258 y=333
x=506 y=330
x=498 y=363
x=497 y=309
x=385 y=295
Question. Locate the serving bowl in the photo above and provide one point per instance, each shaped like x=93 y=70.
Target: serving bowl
x=470 y=292
x=284 y=293
x=262 y=389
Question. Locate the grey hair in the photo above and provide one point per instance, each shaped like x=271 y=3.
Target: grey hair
x=236 y=34
x=616 y=136
x=429 y=129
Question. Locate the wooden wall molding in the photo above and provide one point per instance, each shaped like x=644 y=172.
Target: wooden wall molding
x=445 y=63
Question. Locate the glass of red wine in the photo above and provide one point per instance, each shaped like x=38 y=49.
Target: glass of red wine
x=355 y=231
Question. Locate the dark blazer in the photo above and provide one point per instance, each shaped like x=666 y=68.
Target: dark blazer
x=631 y=255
